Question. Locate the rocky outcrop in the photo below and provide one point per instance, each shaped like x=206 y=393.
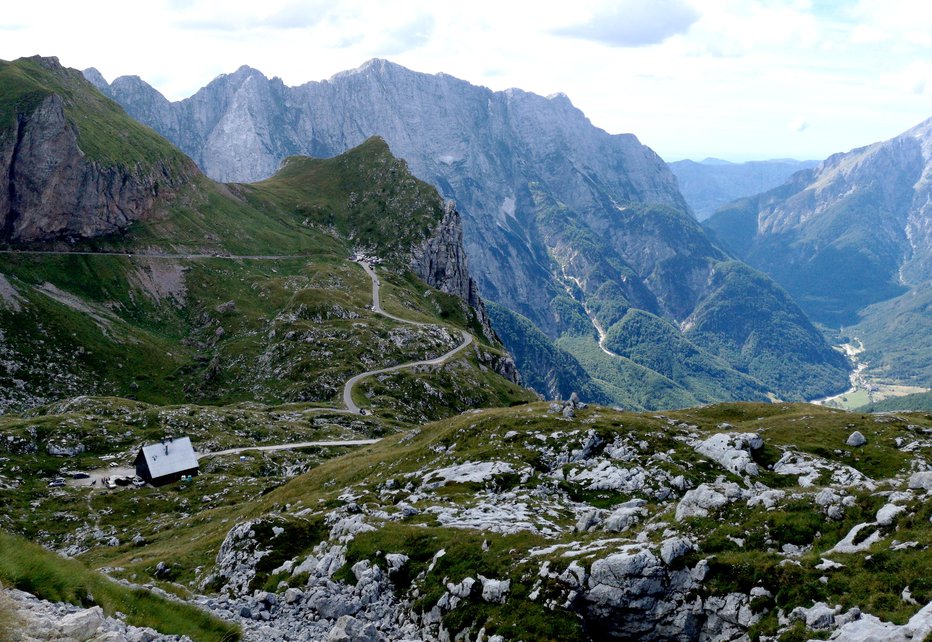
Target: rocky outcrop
x=733 y=451
x=237 y=558
x=50 y=189
x=440 y=261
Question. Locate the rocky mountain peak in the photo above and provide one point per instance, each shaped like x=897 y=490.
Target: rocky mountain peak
x=243 y=74
x=923 y=134
x=51 y=63
x=373 y=66
x=93 y=76
x=135 y=86
x=922 y=131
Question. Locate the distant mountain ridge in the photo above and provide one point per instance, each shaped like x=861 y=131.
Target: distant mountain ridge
x=711 y=183
x=852 y=241
x=564 y=224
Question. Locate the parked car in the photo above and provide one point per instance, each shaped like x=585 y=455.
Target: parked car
x=57 y=482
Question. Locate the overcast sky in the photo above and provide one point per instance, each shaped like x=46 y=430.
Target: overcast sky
x=734 y=79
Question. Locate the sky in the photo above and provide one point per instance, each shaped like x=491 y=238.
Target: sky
x=732 y=79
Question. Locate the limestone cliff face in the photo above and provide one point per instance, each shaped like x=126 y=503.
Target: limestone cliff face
x=236 y=128
x=441 y=262
x=51 y=189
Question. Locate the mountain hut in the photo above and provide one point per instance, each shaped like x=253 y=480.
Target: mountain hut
x=167 y=461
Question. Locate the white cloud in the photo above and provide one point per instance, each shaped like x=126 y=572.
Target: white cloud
x=866 y=34
x=798 y=125
x=633 y=23
x=915 y=78
x=410 y=34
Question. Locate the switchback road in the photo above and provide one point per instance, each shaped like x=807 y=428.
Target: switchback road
x=377 y=308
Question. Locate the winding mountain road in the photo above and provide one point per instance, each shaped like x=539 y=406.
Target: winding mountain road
x=377 y=308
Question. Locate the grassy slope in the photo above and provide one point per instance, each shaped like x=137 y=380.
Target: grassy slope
x=31 y=568
x=365 y=196
x=870 y=581
x=289 y=317
x=110 y=427
x=190 y=538
x=182 y=524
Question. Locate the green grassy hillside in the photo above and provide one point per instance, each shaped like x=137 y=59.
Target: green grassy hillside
x=286 y=320
x=366 y=196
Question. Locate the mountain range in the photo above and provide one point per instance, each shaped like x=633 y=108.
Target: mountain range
x=851 y=240
x=604 y=282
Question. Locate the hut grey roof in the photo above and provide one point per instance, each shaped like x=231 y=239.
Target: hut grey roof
x=169 y=457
